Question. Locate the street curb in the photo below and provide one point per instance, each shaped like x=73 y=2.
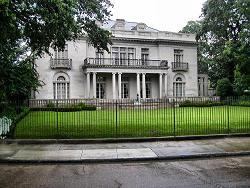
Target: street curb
x=119 y=140
x=158 y=158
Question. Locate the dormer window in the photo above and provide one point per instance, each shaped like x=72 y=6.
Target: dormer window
x=140 y=27
x=120 y=24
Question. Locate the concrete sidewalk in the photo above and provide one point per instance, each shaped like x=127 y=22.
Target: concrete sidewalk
x=109 y=152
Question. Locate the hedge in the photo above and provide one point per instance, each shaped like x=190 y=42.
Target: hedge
x=207 y=103
x=64 y=109
x=241 y=103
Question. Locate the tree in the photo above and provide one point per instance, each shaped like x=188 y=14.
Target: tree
x=35 y=26
x=240 y=53
x=194 y=27
x=225 y=22
x=43 y=24
x=18 y=77
x=224 y=88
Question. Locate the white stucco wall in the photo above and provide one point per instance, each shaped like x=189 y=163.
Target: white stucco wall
x=160 y=50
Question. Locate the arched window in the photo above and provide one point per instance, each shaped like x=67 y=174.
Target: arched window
x=179 y=87
x=60 y=79
x=61 y=87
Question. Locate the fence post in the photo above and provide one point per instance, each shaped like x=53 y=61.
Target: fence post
x=174 y=115
x=228 y=124
x=57 y=128
x=116 y=128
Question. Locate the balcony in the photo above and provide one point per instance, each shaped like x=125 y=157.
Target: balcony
x=179 y=66
x=112 y=62
x=60 y=63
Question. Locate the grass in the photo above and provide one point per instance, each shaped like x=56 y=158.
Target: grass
x=134 y=123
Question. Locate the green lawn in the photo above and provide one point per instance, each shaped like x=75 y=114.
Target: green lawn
x=134 y=123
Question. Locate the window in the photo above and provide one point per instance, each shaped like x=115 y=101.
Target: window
x=131 y=55
x=100 y=87
x=61 y=88
x=125 y=88
x=122 y=55
x=144 y=56
x=148 y=87
x=99 y=58
x=115 y=55
x=62 y=54
x=179 y=87
x=148 y=90
x=178 y=55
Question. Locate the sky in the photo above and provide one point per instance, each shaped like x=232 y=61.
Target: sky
x=164 y=15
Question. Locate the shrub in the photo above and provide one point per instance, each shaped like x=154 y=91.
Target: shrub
x=65 y=109
x=241 y=103
x=207 y=103
x=81 y=105
x=59 y=109
x=8 y=111
x=90 y=108
x=51 y=105
x=224 y=88
x=186 y=103
x=15 y=113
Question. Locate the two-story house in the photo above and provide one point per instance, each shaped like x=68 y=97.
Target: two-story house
x=142 y=62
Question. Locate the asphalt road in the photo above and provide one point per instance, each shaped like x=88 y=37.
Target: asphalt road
x=220 y=172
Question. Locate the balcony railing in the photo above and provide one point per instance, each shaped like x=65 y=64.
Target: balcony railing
x=124 y=62
x=61 y=63
x=179 y=66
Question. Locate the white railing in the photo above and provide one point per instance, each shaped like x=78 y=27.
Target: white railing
x=179 y=66
x=125 y=62
x=99 y=102
x=61 y=63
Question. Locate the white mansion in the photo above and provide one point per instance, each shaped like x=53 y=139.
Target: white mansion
x=142 y=62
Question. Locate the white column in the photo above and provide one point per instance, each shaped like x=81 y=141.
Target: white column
x=88 y=85
x=138 y=85
x=160 y=85
x=183 y=90
x=166 y=84
x=119 y=85
x=143 y=86
x=94 y=84
x=66 y=88
x=56 y=90
x=202 y=86
x=113 y=84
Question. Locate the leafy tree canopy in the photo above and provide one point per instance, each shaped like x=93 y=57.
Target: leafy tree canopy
x=226 y=26
x=42 y=24
x=194 y=27
x=223 y=41
x=31 y=27
x=224 y=88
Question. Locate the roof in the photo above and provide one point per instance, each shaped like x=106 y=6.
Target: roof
x=128 y=26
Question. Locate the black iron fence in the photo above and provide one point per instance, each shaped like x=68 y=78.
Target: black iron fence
x=85 y=118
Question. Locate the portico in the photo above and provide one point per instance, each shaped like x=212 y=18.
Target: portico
x=117 y=83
